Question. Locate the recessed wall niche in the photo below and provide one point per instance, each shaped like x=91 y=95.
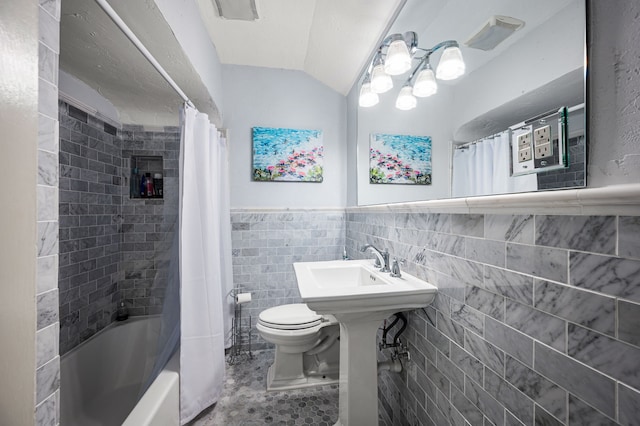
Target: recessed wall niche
x=146 y=179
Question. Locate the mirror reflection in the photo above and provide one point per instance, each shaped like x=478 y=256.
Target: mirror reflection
x=512 y=122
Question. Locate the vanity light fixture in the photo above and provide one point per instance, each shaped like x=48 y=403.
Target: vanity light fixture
x=395 y=56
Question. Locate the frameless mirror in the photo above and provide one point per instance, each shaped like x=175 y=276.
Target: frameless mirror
x=514 y=122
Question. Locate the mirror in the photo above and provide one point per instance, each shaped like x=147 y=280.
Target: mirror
x=522 y=83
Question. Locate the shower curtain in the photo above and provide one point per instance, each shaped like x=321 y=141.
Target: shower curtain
x=205 y=264
x=483 y=168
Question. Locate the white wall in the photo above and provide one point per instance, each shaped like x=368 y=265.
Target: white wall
x=430 y=118
x=268 y=97
x=548 y=52
x=18 y=171
x=614 y=83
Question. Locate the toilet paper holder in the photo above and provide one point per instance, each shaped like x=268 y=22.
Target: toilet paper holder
x=237 y=354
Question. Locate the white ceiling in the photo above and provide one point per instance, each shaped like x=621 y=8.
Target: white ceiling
x=330 y=40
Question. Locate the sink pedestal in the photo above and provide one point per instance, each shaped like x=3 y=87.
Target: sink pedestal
x=359 y=297
x=358 y=397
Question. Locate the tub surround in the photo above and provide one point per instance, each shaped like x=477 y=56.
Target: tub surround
x=111 y=247
x=536 y=320
x=148 y=225
x=90 y=224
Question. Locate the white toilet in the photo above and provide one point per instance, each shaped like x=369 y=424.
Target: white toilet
x=307 y=346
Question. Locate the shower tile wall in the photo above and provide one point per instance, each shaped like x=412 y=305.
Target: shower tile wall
x=47 y=373
x=90 y=224
x=148 y=224
x=111 y=247
x=265 y=244
x=537 y=319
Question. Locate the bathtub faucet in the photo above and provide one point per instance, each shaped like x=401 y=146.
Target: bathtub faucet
x=382 y=260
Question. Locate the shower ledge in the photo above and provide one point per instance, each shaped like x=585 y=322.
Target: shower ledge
x=609 y=200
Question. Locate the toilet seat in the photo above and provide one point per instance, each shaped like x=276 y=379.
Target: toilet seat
x=289 y=317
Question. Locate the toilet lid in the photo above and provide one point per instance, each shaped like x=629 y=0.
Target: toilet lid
x=288 y=317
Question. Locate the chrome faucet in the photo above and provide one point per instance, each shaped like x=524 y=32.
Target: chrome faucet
x=382 y=260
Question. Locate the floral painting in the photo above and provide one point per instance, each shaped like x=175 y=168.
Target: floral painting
x=292 y=155
x=400 y=159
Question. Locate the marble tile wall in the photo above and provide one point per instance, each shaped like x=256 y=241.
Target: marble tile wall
x=47 y=368
x=148 y=224
x=90 y=224
x=265 y=245
x=537 y=319
x=112 y=247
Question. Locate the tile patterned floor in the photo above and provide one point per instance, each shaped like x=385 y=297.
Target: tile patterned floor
x=245 y=401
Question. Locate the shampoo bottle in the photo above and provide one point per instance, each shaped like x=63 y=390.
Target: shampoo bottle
x=143 y=186
x=148 y=185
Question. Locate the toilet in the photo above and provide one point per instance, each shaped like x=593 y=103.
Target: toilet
x=307 y=346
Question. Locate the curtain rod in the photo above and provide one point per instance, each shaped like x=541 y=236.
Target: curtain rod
x=136 y=41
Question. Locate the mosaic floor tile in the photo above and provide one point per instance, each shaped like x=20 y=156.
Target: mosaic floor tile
x=245 y=401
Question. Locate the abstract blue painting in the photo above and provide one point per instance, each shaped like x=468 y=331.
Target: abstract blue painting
x=400 y=159
x=292 y=155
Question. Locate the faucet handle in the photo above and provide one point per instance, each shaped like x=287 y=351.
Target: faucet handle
x=395 y=267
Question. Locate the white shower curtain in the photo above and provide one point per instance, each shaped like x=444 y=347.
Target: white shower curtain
x=205 y=258
x=484 y=168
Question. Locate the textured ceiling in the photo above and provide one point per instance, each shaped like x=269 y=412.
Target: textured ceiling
x=95 y=51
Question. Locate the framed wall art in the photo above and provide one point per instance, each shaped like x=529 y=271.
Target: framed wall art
x=400 y=159
x=289 y=155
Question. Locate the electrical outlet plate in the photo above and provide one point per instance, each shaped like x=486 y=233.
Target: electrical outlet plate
x=542 y=142
x=525 y=152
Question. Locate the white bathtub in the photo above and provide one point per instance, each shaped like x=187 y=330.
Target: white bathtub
x=100 y=379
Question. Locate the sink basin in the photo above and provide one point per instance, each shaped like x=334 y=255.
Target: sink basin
x=357 y=286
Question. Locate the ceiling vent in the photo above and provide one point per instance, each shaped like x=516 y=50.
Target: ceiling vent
x=239 y=10
x=493 y=32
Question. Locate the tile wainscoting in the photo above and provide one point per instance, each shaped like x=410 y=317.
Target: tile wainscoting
x=265 y=245
x=537 y=319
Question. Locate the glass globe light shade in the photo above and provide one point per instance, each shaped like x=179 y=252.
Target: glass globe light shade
x=406 y=100
x=398 y=60
x=380 y=81
x=367 y=97
x=451 y=65
x=425 y=84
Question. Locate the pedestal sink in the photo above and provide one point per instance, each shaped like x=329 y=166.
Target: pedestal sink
x=360 y=297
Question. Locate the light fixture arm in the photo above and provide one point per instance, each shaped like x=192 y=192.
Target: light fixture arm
x=428 y=53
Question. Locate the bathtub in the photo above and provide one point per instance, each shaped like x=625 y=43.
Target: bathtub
x=101 y=378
